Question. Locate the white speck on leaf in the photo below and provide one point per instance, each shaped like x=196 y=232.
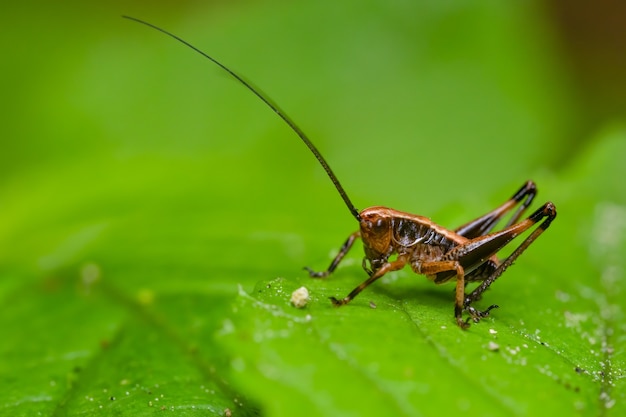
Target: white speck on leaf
x=300 y=297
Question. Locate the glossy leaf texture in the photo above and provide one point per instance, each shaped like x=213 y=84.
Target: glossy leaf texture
x=554 y=346
x=155 y=217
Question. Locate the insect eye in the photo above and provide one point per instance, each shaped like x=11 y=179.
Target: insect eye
x=378 y=223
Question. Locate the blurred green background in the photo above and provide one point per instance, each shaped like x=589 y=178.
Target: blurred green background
x=140 y=186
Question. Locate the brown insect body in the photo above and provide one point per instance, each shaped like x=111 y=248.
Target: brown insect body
x=467 y=253
x=417 y=239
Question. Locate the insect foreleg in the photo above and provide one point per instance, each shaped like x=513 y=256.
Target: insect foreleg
x=484 y=224
x=342 y=252
x=548 y=210
x=387 y=267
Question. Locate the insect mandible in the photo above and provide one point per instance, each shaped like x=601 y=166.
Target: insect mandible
x=393 y=239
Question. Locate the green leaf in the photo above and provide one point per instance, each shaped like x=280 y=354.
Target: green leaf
x=155 y=216
x=555 y=345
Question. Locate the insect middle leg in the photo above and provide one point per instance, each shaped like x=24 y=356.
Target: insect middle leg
x=432 y=268
x=449 y=269
x=342 y=252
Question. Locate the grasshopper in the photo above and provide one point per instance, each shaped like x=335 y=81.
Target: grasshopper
x=393 y=239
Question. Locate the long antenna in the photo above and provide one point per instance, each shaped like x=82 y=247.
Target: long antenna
x=274 y=108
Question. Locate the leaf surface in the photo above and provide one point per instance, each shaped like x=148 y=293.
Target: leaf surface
x=155 y=217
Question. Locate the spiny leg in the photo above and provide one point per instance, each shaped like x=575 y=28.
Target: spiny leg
x=387 y=267
x=432 y=268
x=548 y=210
x=484 y=224
x=475 y=253
x=527 y=193
x=342 y=252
